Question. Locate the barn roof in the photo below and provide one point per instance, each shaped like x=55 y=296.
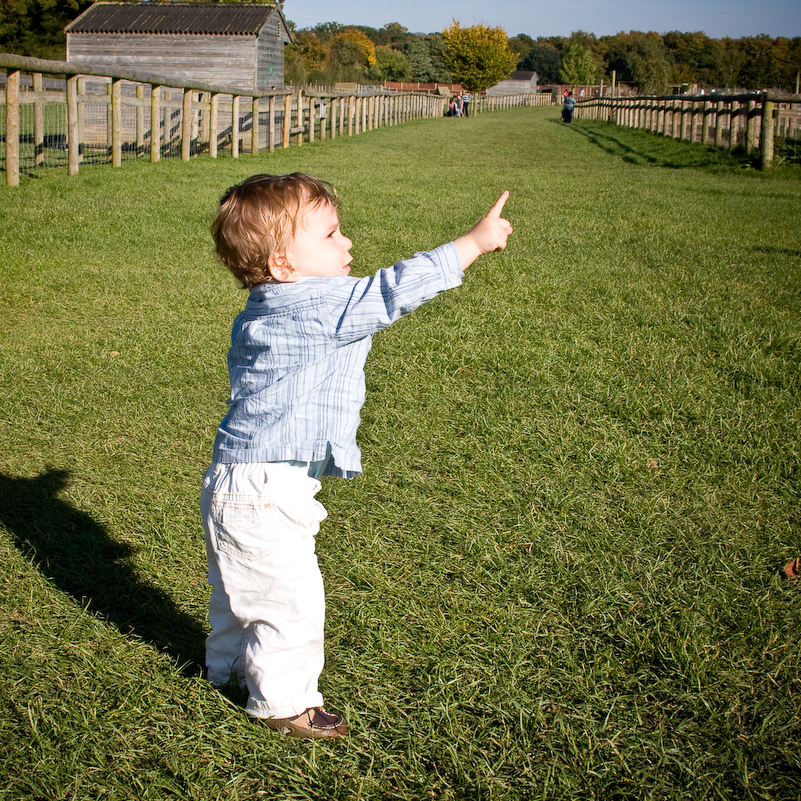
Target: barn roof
x=226 y=19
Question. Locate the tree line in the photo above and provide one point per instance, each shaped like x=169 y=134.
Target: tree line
x=655 y=63
x=331 y=52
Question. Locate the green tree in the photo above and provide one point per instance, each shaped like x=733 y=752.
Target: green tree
x=692 y=56
x=363 y=44
x=418 y=55
x=352 y=55
x=36 y=27
x=425 y=55
x=392 y=34
x=759 y=70
x=522 y=45
x=544 y=59
x=614 y=54
x=650 y=65
x=790 y=68
x=390 y=65
x=325 y=30
x=578 y=64
x=478 y=57
x=729 y=61
x=436 y=50
x=307 y=55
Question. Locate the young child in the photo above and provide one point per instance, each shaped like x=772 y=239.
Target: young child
x=296 y=366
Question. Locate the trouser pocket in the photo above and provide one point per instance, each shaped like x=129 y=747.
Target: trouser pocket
x=244 y=527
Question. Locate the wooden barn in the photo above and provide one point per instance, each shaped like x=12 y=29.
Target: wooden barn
x=516 y=84
x=237 y=46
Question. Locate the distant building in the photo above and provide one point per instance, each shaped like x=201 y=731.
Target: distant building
x=517 y=83
x=237 y=46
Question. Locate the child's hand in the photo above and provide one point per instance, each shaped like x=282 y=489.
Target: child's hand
x=488 y=236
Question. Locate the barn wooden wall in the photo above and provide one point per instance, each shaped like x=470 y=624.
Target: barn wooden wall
x=270 y=56
x=226 y=61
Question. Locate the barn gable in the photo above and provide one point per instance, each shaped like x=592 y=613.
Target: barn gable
x=235 y=45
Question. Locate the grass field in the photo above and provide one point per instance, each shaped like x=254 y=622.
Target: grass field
x=560 y=574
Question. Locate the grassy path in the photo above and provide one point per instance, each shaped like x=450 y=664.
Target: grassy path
x=559 y=575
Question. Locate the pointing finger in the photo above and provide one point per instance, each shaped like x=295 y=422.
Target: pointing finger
x=497 y=208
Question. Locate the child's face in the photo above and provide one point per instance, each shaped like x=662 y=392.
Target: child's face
x=318 y=247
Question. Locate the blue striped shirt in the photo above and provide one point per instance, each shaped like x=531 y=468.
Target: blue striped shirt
x=297 y=358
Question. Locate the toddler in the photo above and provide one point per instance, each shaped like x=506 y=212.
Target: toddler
x=296 y=367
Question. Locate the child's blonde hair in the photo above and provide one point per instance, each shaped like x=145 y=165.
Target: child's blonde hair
x=258 y=218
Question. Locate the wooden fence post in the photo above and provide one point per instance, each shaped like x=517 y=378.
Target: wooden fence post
x=766 y=143
x=271 y=126
x=299 y=139
x=38 y=122
x=287 y=121
x=254 y=128
x=186 y=125
x=12 y=128
x=214 y=104
x=155 y=124
x=235 y=127
x=79 y=92
x=140 y=120
x=707 y=113
x=116 y=123
x=73 y=138
x=752 y=133
x=204 y=99
x=684 y=132
x=734 y=124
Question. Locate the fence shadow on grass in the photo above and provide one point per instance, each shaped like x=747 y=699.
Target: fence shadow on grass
x=646 y=148
x=77 y=554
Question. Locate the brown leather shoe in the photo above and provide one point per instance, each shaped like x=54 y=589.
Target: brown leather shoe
x=314 y=723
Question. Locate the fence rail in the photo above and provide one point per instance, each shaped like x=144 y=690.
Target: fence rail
x=753 y=122
x=91 y=115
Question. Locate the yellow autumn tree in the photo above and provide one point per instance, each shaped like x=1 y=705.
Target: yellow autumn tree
x=361 y=41
x=478 y=57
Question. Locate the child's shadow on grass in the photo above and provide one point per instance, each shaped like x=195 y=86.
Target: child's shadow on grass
x=79 y=557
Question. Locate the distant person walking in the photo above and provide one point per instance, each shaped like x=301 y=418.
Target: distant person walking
x=467 y=99
x=567 y=107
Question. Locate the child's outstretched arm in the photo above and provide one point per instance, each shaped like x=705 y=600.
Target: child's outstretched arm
x=490 y=234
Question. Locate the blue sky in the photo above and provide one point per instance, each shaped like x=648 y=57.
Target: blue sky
x=717 y=18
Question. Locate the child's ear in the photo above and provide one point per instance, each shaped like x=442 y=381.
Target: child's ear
x=280 y=269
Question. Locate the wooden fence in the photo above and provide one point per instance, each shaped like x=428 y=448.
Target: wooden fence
x=106 y=115
x=749 y=121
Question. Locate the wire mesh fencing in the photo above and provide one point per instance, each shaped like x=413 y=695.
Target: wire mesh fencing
x=81 y=117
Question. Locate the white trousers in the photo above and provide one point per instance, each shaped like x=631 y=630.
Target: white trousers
x=267 y=607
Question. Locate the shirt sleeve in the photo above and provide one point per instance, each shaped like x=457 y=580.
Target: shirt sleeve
x=359 y=307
